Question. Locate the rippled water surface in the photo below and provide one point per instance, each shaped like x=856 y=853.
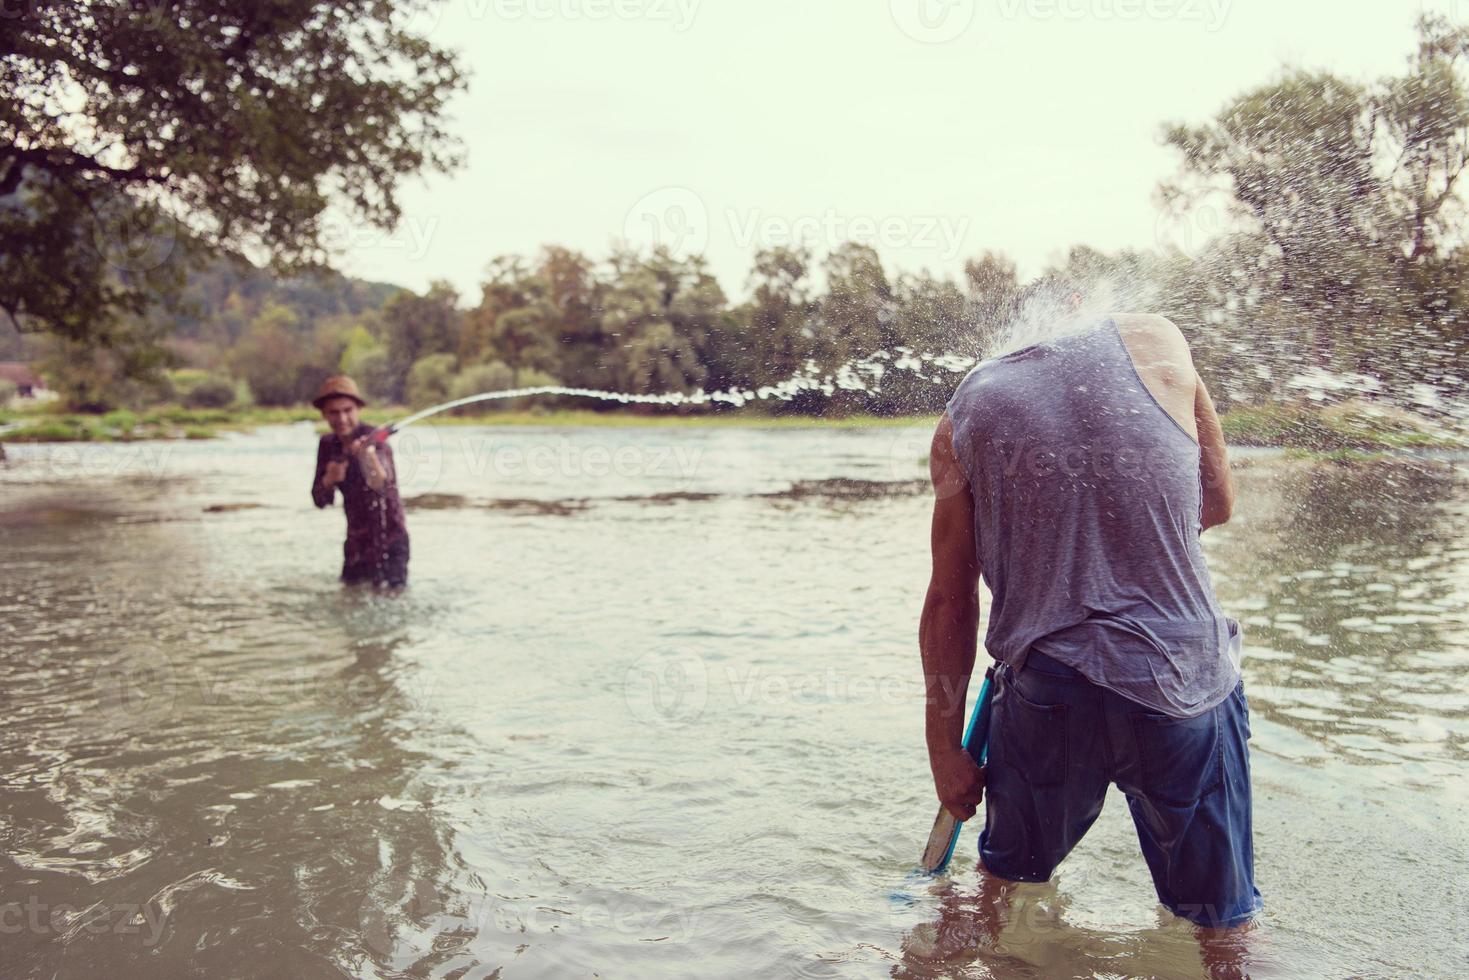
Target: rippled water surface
x=651 y=707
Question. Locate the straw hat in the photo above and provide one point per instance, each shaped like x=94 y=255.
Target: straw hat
x=335 y=386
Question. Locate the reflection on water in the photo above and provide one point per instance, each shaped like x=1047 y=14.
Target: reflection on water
x=1353 y=584
x=657 y=718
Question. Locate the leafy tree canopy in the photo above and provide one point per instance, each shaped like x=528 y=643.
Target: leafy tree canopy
x=133 y=134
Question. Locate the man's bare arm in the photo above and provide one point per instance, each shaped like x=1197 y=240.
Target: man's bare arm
x=1213 y=460
x=949 y=628
x=372 y=470
x=376 y=472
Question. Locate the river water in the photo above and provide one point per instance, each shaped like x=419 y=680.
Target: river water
x=651 y=707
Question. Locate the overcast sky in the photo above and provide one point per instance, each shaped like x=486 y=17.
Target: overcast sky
x=934 y=129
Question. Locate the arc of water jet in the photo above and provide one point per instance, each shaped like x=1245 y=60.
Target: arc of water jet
x=847 y=377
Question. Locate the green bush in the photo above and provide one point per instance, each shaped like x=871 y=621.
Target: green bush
x=121 y=421
x=530 y=378
x=210 y=392
x=480 y=378
x=50 y=430
x=429 y=380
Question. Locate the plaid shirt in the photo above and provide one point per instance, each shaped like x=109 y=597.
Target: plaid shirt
x=374 y=518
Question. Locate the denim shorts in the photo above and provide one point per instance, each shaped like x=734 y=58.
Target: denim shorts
x=1057 y=741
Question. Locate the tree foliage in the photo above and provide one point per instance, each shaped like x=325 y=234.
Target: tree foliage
x=132 y=135
x=1348 y=207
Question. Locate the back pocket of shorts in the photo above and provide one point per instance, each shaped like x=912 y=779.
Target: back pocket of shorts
x=1180 y=757
x=1034 y=737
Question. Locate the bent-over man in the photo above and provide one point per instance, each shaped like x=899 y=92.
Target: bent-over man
x=1076 y=476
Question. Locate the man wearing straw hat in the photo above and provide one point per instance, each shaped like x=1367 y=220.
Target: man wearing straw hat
x=376 y=550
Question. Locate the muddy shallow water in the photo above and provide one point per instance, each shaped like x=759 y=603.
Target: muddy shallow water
x=651 y=707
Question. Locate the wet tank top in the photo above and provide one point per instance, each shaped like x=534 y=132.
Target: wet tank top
x=1087 y=514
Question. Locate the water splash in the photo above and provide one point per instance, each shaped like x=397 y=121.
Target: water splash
x=862 y=375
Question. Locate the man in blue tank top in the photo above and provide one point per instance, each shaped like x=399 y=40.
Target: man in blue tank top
x=1075 y=477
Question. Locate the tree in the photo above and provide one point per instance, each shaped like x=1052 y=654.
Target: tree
x=268 y=357
x=365 y=360
x=660 y=315
x=769 y=339
x=479 y=379
x=991 y=285
x=416 y=326
x=429 y=380
x=571 y=286
x=855 y=320
x=122 y=366
x=856 y=314
x=931 y=316
x=1352 y=196
x=130 y=133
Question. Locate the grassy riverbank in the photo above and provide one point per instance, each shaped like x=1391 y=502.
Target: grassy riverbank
x=1344 y=428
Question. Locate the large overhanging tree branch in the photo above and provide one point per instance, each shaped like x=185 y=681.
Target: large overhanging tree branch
x=132 y=133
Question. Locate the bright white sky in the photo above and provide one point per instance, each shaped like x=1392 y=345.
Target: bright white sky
x=933 y=128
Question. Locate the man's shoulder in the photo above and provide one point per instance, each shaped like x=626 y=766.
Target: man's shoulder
x=1146 y=322
x=1152 y=326
x=1153 y=336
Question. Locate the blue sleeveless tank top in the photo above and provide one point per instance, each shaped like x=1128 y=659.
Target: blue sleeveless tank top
x=1088 y=508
